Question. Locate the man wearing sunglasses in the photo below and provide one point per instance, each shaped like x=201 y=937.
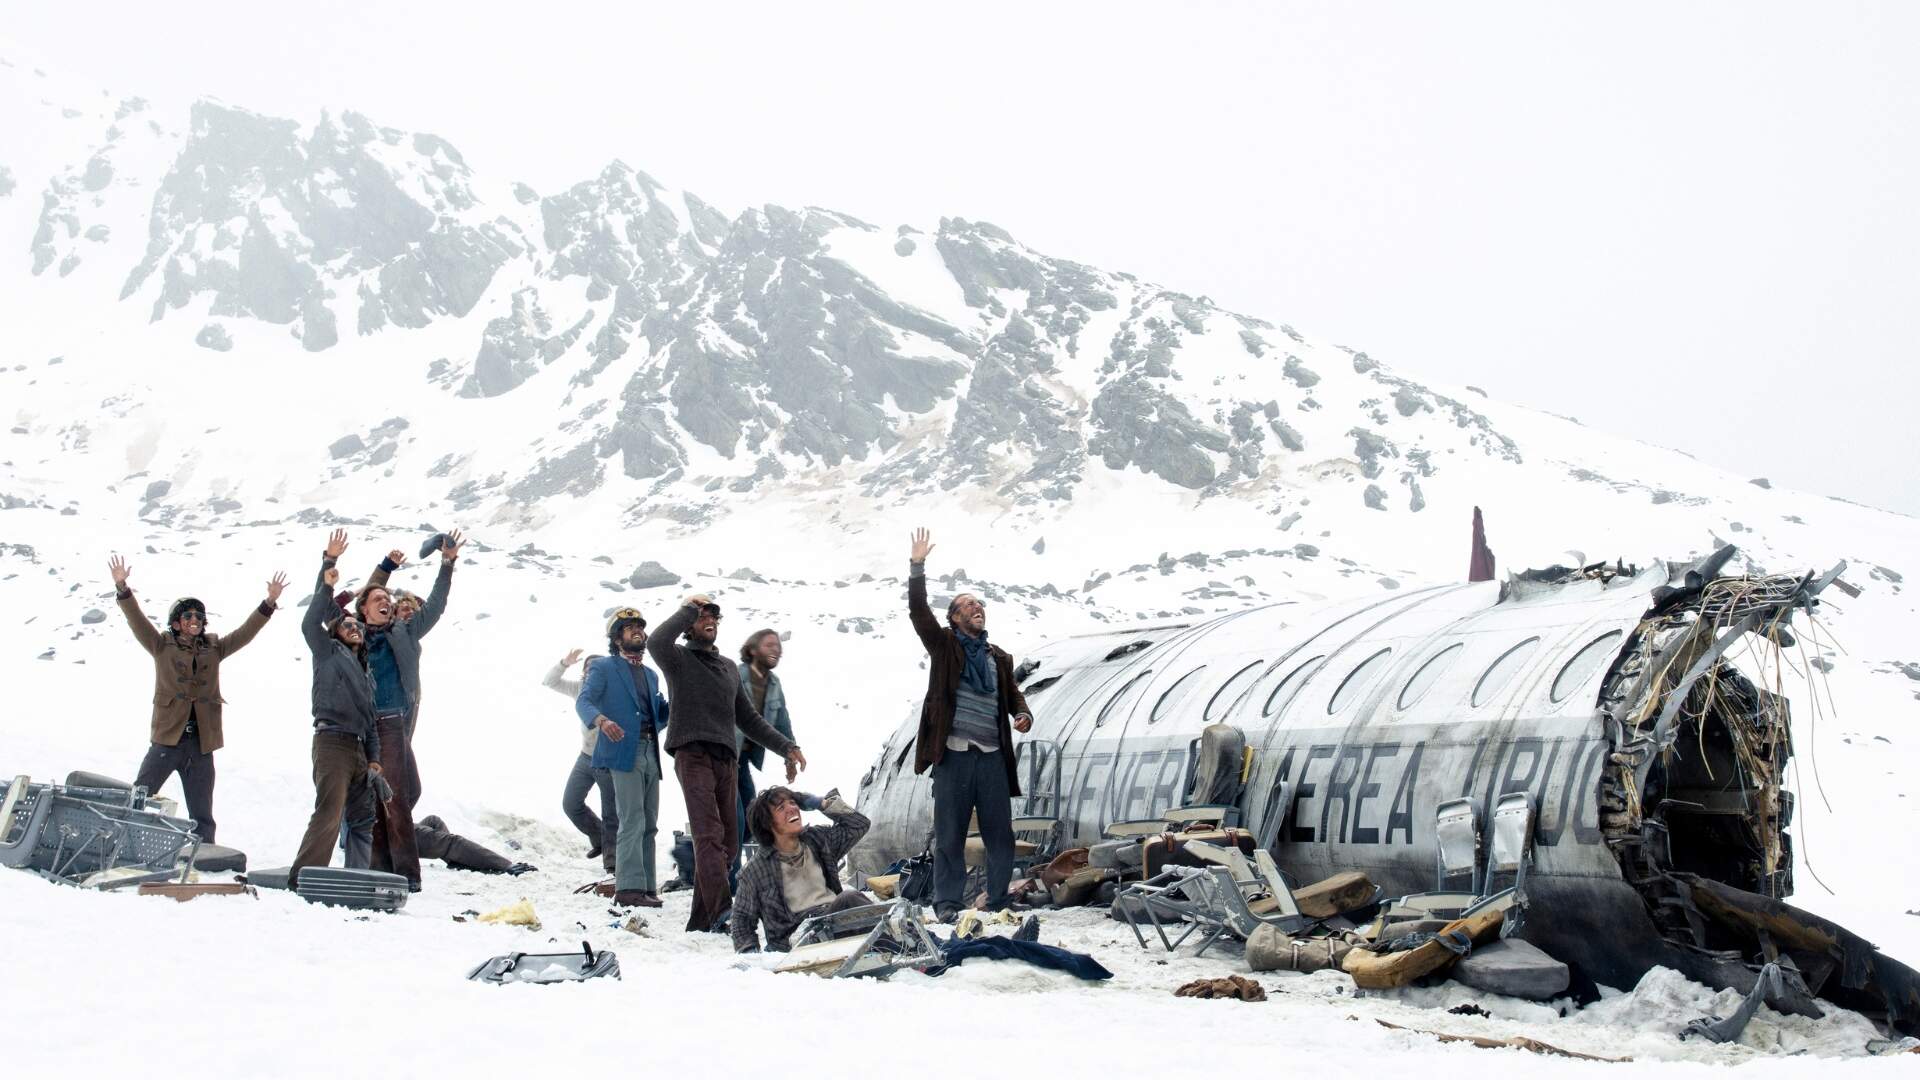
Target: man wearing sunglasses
x=710 y=709
x=186 y=724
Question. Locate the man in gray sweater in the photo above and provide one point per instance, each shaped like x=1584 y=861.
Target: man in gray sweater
x=710 y=704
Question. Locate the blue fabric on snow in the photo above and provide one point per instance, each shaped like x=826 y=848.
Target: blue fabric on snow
x=1051 y=957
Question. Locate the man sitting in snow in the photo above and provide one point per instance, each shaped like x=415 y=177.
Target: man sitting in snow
x=796 y=875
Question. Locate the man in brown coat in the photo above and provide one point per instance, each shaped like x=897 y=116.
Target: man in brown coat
x=967 y=723
x=186 y=690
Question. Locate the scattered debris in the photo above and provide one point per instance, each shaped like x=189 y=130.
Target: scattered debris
x=1238 y=987
x=1516 y=1042
x=515 y=914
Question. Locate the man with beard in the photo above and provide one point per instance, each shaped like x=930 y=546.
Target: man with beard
x=710 y=710
x=621 y=701
x=186 y=725
x=965 y=737
x=393 y=660
x=346 y=736
x=759 y=655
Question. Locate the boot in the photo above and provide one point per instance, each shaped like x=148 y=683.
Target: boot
x=629 y=898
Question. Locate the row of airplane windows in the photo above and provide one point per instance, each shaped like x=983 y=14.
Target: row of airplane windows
x=1245 y=681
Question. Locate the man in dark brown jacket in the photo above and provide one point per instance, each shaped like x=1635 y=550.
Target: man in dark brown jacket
x=186 y=690
x=967 y=723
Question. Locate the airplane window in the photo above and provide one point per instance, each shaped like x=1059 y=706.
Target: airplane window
x=1026 y=668
x=1127 y=649
x=1584 y=664
x=1223 y=699
x=1428 y=674
x=1283 y=694
x=1502 y=671
x=904 y=751
x=1358 y=679
x=1176 y=694
x=1134 y=688
x=1040 y=685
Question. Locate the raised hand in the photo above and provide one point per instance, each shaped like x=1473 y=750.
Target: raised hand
x=922 y=545
x=337 y=544
x=275 y=586
x=570 y=659
x=397 y=557
x=450 y=547
x=331 y=577
x=117 y=566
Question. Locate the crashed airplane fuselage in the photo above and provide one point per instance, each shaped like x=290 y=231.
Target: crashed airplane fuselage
x=1615 y=697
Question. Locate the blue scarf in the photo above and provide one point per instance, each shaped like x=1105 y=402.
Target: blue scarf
x=977 y=673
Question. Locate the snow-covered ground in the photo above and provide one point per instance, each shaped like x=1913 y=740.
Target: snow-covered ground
x=211 y=468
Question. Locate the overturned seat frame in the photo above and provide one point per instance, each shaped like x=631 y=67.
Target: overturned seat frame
x=1212 y=899
x=891 y=935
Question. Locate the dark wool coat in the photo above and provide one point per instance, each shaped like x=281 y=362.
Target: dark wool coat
x=945 y=659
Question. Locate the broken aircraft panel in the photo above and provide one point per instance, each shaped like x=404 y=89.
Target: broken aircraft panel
x=1610 y=694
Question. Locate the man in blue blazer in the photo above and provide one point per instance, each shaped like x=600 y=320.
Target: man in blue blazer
x=621 y=700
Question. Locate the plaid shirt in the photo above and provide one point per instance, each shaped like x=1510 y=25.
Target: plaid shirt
x=761 y=897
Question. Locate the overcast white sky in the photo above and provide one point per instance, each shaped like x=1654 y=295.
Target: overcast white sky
x=1694 y=224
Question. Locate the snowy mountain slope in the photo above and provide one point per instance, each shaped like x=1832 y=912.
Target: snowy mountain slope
x=227 y=333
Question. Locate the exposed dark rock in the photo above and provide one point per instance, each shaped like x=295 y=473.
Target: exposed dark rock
x=346 y=446
x=903 y=246
x=1375 y=498
x=1305 y=551
x=651 y=575
x=1299 y=373
x=158 y=489
x=1761 y=482
x=93 y=615
x=1040 y=546
x=214 y=336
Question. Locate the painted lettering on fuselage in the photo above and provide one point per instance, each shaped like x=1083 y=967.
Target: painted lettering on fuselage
x=1362 y=794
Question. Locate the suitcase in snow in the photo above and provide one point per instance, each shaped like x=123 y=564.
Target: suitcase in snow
x=370 y=890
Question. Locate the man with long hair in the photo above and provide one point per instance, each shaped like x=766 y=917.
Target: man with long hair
x=796 y=875
x=967 y=721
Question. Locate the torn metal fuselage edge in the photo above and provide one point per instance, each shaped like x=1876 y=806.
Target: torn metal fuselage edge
x=1615 y=696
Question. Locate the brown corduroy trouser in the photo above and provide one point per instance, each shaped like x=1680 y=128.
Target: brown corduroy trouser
x=712 y=790
x=339 y=781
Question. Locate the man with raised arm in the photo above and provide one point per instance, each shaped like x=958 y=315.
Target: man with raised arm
x=393 y=659
x=967 y=721
x=710 y=705
x=186 y=725
x=346 y=736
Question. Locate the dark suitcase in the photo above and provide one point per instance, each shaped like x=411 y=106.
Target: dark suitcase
x=369 y=890
x=548 y=967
